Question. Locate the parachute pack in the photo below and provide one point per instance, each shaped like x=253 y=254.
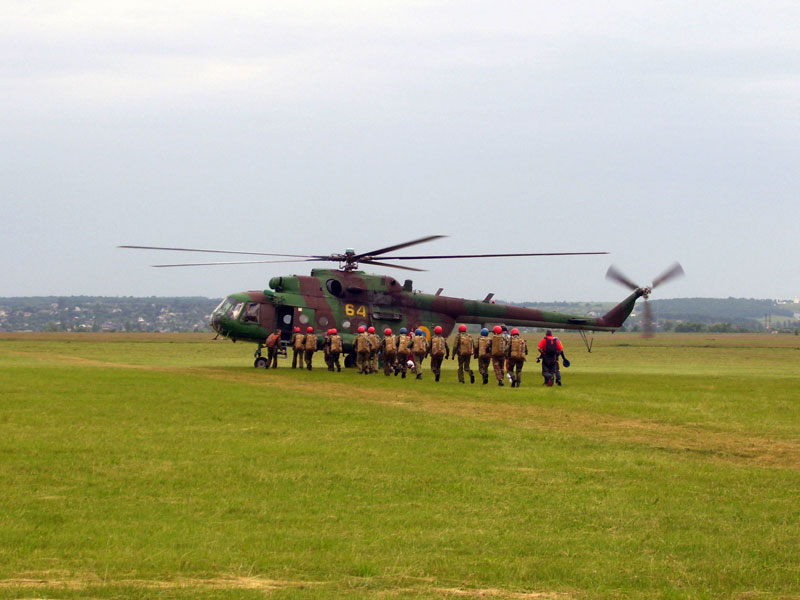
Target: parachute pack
x=517 y=348
x=389 y=344
x=336 y=343
x=299 y=341
x=311 y=341
x=498 y=346
x=465 y=345
x=437 y=346
x=484 y=347
x=420 y=344
x=362 y=343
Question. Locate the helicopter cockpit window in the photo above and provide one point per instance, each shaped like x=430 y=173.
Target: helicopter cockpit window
x=334 y=287
x=251 y=312
x=236 y=311
x=223 y=307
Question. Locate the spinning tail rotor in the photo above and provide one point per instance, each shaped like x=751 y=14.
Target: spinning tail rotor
x=672 y=272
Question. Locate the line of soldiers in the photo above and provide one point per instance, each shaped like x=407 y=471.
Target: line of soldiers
x=505 y=351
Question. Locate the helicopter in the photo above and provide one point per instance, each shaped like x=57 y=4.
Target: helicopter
x=347 y=298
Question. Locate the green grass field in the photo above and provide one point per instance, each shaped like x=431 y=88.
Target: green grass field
x=166 y=466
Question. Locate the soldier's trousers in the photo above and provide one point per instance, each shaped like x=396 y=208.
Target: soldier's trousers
x=463 y=365
x=515 y=368
x=418 y=358
x=436 y=364
x=297 y=356
x=333 y=359
x=362 y=362
x=373 y=361
x=389 y=359
x=272 y=358
x=402 y=362
x=483 y=365
x=497 y=365
x=309 y=356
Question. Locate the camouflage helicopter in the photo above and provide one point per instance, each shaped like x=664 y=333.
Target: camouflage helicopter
x=347 y=298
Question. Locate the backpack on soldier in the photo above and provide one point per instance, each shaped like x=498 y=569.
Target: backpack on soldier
x=517 y=348
x=484 y=347
x=389 y=345
x=437 y=346
x=420 y=344
x=498 y=346
x=273 y=339
x=465 y=345
x=299 y=341
x=550 y=347
x=336 y=343
x=311 y=341
x=402 y=344
x=362 y=343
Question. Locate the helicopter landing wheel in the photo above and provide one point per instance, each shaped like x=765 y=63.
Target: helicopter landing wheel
x=260 y=363
x=349 y=361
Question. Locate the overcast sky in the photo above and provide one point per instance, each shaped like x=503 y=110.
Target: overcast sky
x=657 y=131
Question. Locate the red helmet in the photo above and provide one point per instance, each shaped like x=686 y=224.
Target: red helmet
x=515 y=331
x=462 y=328
x=297 y=330
x=310 y=330
x=330 y=331
x=361 y=329
x=387 y=331
x=333 y=331
x=497 y=329
x=437 y=329
x=371 y=330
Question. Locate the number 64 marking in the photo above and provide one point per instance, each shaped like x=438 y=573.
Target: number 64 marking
x=352 y=309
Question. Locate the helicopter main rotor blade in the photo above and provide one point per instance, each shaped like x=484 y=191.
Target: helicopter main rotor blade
x=616 y=275
x=383 y=264
x=432 y=256
x=676 y=270
x=225 y=252
x=239 y=262
x=398 y=246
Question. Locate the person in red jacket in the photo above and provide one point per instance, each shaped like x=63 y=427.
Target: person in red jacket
x=549 y=349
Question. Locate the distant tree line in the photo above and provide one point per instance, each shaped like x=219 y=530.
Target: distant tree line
x=127 y=313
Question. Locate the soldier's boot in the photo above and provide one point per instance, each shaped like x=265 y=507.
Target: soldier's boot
x=437 y=376
x=471 y=377
x=558 y=381
x=513 y=381
x=338 y=369
x=402 y=375
x=500 y=382
x=419 y=375
x=485 y=379
x=308 y=367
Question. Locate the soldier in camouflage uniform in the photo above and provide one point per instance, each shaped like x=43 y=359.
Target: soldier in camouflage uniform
x=325 y=352
x=298 y=344
x=403 y=342
x=273 y=345
x=498 y=353
x=375 y=342
x=517 y=355
x=419 y=348
x=334 y=348
x=464 y=348
x=388 y=351
x=310 y=346
x=483 y=352
x=439 y=350
x=362 y=348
